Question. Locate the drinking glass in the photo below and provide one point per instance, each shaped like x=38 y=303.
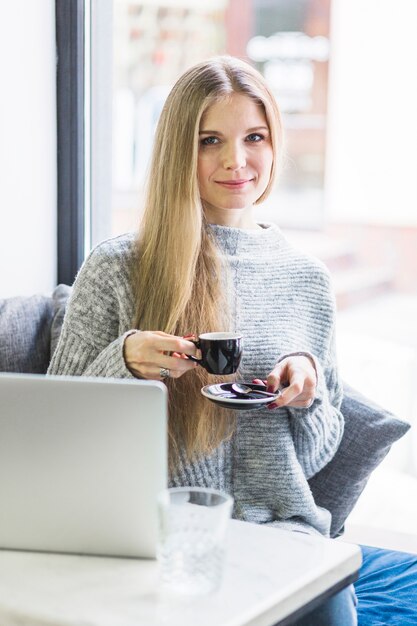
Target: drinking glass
x=191 y=544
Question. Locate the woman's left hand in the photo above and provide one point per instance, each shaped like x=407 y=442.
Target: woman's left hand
x=298 y=376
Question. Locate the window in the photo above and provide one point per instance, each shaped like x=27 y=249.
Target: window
x=154 y=42
x=137 y=49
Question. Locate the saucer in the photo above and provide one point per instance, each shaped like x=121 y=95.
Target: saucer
x=223 y=395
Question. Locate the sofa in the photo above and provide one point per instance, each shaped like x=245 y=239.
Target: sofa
x=29 y=332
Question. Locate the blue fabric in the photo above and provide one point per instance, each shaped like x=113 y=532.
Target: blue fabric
x=387 y=588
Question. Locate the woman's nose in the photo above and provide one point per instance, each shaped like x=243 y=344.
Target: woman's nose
x=234 y=157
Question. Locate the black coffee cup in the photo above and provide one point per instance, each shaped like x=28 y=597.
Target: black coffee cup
x=220 y=352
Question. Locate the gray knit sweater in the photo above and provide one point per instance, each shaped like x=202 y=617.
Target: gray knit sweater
x=282 y=302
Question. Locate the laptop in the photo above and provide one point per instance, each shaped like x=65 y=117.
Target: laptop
x=81 y=463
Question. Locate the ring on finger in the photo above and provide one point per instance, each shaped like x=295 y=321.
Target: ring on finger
x=164 y=373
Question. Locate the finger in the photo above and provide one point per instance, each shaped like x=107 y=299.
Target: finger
x=294 y=391
x=170 y=343
x=258 y=381
x=145 y=371
x=152 y=371
x=175 y=363
x=186 y=347
x=179 y=356
x=302 y=401
x=301 y=391
x=310 y=386
x=305 y=404
x=297 y=404
x=274 y=379
x=272 y=405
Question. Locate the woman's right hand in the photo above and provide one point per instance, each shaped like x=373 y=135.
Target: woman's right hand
x=146 y=353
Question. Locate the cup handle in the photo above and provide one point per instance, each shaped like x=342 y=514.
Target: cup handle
x=197 y=345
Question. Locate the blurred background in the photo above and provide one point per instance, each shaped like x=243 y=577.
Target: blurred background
x=288 y=41
x=343 y=75
x=343 y=72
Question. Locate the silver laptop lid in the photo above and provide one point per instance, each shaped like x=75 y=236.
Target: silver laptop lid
x=81 y=463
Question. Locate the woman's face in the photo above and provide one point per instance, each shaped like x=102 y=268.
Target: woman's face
x=234 y=160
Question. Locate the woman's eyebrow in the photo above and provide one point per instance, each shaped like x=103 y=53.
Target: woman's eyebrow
x=209 y=132
x=252 y=130
x=248 y=130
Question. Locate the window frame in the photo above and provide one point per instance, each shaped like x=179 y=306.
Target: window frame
x=70 y=49
x=84 y=129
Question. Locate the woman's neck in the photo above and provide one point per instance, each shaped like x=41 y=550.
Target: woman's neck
x=234 y=218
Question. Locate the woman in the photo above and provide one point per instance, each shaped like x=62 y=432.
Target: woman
x=202 y=263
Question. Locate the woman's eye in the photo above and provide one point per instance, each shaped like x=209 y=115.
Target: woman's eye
x=255 y=137
x=209 y=141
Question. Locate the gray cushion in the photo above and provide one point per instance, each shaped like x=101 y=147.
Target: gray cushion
x=60 y=298
x=29 y=330
x=369 y=434
x=25 y=334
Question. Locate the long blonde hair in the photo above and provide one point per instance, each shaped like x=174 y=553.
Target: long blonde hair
x=179 y=279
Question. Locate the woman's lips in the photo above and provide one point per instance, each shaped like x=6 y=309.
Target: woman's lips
x=234 y=184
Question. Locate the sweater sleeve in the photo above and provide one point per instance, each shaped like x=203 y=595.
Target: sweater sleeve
x=76 y=357
x=93 y=333
x=318 y=429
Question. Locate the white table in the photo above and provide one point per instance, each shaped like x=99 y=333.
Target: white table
x=270 y=574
